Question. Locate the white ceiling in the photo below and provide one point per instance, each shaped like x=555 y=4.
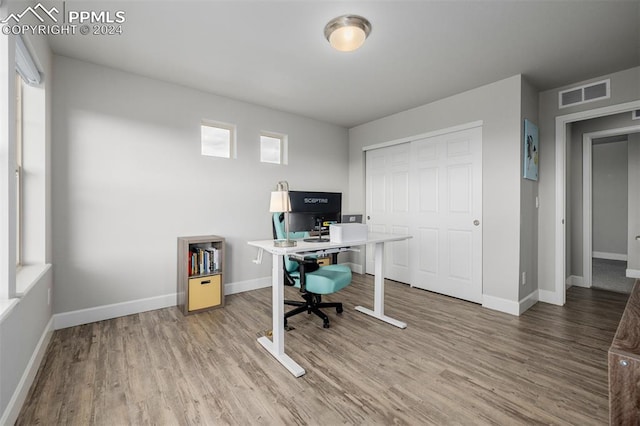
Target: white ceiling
x=274 y=53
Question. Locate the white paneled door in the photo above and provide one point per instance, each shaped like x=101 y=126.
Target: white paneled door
x=432 y=189
x=388 y=206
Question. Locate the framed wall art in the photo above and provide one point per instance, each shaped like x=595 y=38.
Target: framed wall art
x=530 y=151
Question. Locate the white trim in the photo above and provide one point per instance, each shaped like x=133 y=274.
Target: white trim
x=501 y=305
x=548 y=296
x=356 y=268
x=560 y=234
x=438 y=132
x=610 y=256
x=242 y=286
x=633 y=273
x=559 y=296
x=19 y=396
x=575 y=280
x=587 y=199
x=6 y=306
x=509 y=306
x=587 y=239
x=528 y=302
x=100 y=313
x=28 y=275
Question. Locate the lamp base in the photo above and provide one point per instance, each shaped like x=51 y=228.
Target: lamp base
x=284 y=243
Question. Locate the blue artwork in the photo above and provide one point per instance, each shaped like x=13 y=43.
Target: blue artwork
x=530 y=151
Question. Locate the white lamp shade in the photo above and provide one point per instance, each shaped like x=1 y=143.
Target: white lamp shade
x=347 y=39
x=280 y=202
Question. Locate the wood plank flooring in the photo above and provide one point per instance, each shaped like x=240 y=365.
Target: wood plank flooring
x=456 y=363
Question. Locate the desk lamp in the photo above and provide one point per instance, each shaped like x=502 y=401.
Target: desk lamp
x=280 y=203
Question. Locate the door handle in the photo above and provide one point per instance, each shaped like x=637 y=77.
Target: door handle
x=638 y=237
x=476 y=222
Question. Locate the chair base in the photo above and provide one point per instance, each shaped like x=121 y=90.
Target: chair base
x=312 y=304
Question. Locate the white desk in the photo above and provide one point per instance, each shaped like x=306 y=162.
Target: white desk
x=275 y=346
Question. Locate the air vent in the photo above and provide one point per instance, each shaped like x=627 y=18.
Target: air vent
x=583 y=94
x=635 y=115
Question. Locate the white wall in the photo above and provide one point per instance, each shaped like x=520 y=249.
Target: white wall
x=24 y=335
x=128 y=179
x=609 y=195
x=498 y=105
x=625 y=87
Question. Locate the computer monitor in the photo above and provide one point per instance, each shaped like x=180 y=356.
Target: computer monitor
x=314 y=212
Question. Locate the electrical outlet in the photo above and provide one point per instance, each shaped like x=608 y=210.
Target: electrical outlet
x=524 y=278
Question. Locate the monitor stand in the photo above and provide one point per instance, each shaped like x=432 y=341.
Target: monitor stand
x=318 y=229
x=317 y=239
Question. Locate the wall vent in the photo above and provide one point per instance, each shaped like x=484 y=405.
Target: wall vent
x=635 y=115
x=583 y=94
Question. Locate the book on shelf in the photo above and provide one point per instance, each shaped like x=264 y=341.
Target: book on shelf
x=203 y=260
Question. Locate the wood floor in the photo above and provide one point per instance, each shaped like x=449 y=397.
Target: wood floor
x=456 y=363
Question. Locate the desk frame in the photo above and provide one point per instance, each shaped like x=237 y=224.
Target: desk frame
x=275 y=345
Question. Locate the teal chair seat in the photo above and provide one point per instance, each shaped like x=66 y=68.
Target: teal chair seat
x=326 y=280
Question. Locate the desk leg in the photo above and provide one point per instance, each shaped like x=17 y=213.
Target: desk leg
x=276 y=345
x=378 y=298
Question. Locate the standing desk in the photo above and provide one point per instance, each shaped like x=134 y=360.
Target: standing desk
x=275 y=346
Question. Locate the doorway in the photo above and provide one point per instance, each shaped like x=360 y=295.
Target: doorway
x=607 y=185
x=558 y=296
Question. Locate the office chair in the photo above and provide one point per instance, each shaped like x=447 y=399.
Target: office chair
x=312 y=280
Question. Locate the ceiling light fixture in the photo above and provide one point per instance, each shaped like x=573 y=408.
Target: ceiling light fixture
x=346 y=33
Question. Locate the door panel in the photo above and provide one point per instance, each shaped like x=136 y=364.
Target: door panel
x=428 y=244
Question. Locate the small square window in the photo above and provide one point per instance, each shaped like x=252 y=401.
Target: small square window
x=273 y=148
x=217 y=139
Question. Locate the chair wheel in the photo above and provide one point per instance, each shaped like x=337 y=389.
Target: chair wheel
x=325 y=325
x=339 y=309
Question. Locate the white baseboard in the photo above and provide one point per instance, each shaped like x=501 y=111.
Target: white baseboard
x=633 y=273
x=528 y=302
x=549 y=296
x=509 y=306
x=609 y=256
x=241 y=286
x=100 y=313
x=19 y=396
x=575 y=280
x=501 y=305
x=358 y=269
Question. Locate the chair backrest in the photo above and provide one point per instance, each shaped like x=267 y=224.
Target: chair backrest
x=278 y=233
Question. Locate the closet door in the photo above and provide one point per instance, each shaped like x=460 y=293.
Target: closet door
x=446 y=256
x=387 y=195
x=431 y=189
